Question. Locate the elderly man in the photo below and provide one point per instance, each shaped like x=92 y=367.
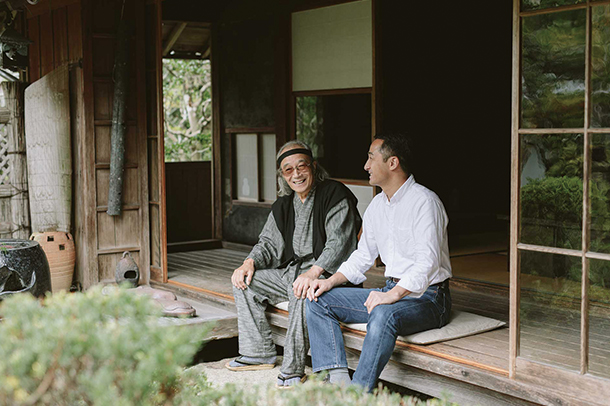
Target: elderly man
x=311 y=230
x=406 y=225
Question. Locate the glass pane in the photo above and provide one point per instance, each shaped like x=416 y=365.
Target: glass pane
x=553 y=63
x=551 y=190
x=527 y=5
x=550 y=308
x=599 y=318
x=246 y=166
x=600 y=67
x=268 y=172
x=600 y=193
x=338 y=129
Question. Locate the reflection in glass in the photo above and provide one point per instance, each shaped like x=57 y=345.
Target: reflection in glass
x=550 y=308
x=600 y=193
x=527 y=5
x=553 y=62
x=338 y=129
x=600 y=67
x=551 y=190
x=599 y=318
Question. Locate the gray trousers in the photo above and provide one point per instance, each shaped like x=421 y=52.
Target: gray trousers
x=272 y=286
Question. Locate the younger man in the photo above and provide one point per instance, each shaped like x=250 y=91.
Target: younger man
x=406 y=225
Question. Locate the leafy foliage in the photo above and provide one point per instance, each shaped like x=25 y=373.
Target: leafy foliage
x=93 y=349
x=187 y=103
x=313 y=392
x=600 y=66
x=553 y=70
x=552 y=209
x=310 y=123
x=88 y=348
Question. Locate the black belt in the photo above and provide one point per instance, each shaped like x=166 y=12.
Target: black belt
x=396 y=280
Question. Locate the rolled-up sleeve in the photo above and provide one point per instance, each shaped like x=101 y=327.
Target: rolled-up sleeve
x=430 y=222
x=341 y=236
x=364 y=257
x=267 y=253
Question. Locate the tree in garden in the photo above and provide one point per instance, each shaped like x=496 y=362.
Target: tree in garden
x=187 y=103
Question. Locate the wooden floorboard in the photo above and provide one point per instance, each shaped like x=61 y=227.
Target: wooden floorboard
x=547 y=336
x=212 y=269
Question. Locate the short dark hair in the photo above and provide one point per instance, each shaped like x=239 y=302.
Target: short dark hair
x=398 y=145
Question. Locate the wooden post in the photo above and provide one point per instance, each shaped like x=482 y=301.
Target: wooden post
x=20 y=206
x=117 y=152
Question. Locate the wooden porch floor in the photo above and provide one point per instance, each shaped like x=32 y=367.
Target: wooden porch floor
x=547 y=337
x=211 y=270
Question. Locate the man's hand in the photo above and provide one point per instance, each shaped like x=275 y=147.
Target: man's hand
x=379 y=298
x=319 y=286
x=245 y=271
x=301 y=285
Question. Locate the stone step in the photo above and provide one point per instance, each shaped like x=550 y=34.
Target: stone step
x=207 y=311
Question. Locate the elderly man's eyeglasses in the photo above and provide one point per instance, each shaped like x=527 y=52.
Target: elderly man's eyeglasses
x=289 y=170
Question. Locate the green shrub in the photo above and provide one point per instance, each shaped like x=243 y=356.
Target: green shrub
x=91 y=349
x=551 y=210
x=88 y=348
x=312 y=393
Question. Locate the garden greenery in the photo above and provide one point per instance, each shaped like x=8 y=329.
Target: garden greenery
x=95 y=349
x=89 y=348
x=187 y=106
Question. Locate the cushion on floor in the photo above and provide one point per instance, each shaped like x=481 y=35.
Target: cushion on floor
x=462 y=324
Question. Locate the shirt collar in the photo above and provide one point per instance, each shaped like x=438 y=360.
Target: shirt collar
x=296 y=199
x=400 y=192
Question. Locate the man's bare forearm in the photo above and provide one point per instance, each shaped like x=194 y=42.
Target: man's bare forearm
x=337 y=279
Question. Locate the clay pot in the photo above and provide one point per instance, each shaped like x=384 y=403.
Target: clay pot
x=59 y=248
x=23 y=268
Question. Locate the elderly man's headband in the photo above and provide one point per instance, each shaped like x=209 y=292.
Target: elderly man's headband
x=292 y=152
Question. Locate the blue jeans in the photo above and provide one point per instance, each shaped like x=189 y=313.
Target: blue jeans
x=384 y=325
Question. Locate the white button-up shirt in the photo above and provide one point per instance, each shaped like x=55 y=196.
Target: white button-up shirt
x=409 y=232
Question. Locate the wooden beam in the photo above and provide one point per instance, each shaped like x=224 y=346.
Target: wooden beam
x=376 y=93
x=333 y=92
x=514 y=206
x=598 y=255
x=207 y=52
x=250 y=130
x=185 y=246
x=201 y=290
x=588 y=389
x=586 y=204
x=545 y=131
x=549 y=250
x=173 y=37
x=86 y=232
x=217 y=180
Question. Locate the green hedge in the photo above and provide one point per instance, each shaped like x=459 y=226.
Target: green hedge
x=92 y=349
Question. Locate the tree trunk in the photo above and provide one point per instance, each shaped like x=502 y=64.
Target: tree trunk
x=20 y=206
x=117 y=151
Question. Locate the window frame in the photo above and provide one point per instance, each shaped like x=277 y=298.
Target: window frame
x=519 y=366
x=259 y=132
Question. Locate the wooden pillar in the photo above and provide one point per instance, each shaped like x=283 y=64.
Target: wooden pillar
x=20 y=207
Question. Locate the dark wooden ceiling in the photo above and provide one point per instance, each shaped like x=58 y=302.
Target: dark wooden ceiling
x=186 y=40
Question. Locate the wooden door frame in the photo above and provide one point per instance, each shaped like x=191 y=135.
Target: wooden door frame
x=216 y=141
x=160 y=274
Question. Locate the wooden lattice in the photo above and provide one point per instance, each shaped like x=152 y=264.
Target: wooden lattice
x=5 y=168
